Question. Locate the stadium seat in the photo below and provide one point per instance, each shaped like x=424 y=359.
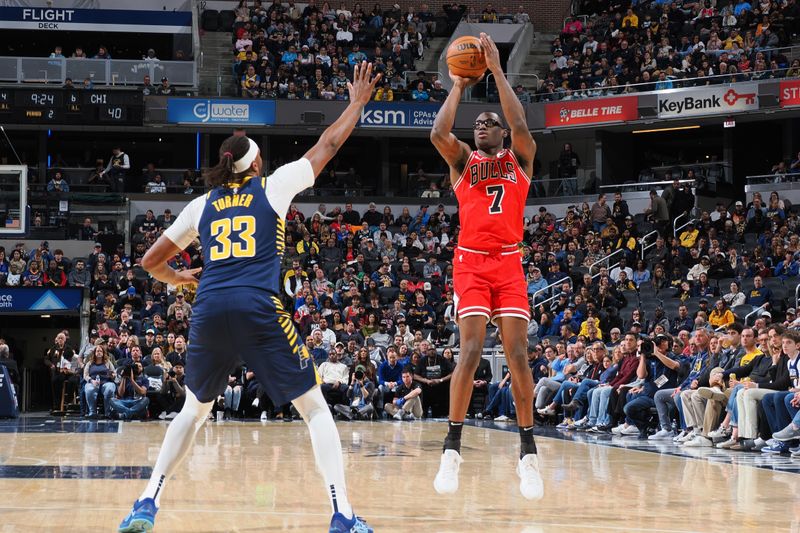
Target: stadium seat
x=226 y=20
x=742 y=310
x=209 y=20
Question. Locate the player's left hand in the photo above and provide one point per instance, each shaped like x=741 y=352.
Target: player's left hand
x=491 y=53
x=363 y=84
x=186 y=277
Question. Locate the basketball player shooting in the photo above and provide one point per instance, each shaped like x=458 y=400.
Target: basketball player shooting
x=491 y=184
x=237 y=314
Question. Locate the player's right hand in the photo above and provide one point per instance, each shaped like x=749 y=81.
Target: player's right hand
x=463 y=83
x=186 y=277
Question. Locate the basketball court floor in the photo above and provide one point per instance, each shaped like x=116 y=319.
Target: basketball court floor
x=60 y=475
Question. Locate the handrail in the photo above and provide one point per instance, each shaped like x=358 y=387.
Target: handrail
x=606 y=258
x=554 y=296
x=510 y=75
x=544 y=289
x=691 y=221
x=674 y=83
x=754 y=311
x=797 y=296
x=644 y=239
x=773 y=178
x=642 y=184
x=675 y=223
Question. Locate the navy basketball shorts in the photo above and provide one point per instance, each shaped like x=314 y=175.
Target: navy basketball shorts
x=245 y=324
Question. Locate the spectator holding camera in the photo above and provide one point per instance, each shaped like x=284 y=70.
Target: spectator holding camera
x=131 y=400
x=174 y=390
x=359 y=396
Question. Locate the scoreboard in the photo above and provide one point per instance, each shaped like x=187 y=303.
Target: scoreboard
x=71 y=106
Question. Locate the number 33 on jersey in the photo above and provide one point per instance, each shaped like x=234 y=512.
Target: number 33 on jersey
x=491 y=194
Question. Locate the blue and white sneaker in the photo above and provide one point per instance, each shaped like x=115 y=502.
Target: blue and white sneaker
x=142 y=517
x=776 y=448
x=340 y=524
x=795 y=452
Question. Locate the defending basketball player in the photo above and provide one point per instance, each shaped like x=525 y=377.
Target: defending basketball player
x=238 y=313
x=491 y=184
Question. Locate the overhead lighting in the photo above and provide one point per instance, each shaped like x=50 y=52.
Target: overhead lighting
x=675 y=128
x=45 y=316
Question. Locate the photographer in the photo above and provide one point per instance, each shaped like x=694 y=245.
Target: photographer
x=407 y=405
x=659 y=368
x=359 y=395
x=117 y=168
x=131 y=400
x=174 y=391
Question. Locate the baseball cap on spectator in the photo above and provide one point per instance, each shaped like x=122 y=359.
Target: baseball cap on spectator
x=766 y=313
x=739 y=204
x=164 y=79
x=400 y=318
x=98 y=245
x=150 y=331
x=426 y=286
x=93 y=333
x=703 y=300
x=45 y=245
x=370 y=341
x=636 y=325
x=131 y=291
x=791 y=311
x=338 y=344
x=628 y=217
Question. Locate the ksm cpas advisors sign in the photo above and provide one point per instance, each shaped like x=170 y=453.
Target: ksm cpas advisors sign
x=590 y=111
x=713 y=100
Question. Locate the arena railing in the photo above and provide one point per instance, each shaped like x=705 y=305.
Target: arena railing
x=643 y=242
x=110 y=72
x=547 y=288
x=788 y=177
x=673 y=83
x=499 y=18
x=606 y=259
x=757 y=311
x=639 y=185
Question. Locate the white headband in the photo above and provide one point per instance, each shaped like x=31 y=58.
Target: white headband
x=243 y=163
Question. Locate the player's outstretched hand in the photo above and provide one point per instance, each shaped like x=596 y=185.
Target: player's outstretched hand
x=363 y=83
x=491 y=53
x=186 y=277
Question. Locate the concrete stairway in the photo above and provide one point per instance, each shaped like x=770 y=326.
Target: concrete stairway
x=430 y=60
x=216 y=77
x=539 y=57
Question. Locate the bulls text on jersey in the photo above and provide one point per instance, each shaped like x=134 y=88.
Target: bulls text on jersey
x=491 y=169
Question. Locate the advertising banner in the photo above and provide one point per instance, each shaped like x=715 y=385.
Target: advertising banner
x=591 y=111
x=39 y=299
x=713 y=100
x=95 y=20
x=790 y=93
x=399 y=115
x=203 y=111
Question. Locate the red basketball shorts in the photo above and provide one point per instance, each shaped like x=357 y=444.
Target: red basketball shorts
x=490 y=284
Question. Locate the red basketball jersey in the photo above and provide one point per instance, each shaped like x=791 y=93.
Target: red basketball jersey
x=491 y=196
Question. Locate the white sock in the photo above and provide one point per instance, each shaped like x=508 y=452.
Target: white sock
x=177 y=442
x=327 y=447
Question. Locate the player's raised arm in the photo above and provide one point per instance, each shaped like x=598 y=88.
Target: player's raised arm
x=337 y=133
x=522 y=143
x=452 y=150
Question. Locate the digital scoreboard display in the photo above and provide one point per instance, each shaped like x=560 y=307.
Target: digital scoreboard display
x=71 y=106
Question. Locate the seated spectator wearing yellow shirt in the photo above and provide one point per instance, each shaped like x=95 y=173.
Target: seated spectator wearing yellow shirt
x=689 y=236
x=384 y=93
x=630 y=20
x=585 y=326
x=734 y=37
x=721 y=315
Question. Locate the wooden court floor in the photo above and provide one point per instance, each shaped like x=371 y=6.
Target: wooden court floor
x=60 y=476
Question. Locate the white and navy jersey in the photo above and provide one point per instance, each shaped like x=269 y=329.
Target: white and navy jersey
x=241 y=228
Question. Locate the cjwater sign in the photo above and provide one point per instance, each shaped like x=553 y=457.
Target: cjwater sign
x=399 y=115
x=590 y=111
x=708 y=100
x=202 y=111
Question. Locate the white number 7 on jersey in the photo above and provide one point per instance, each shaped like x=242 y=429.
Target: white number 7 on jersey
x=496 y=192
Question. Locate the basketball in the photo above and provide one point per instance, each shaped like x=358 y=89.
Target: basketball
x=465 y=57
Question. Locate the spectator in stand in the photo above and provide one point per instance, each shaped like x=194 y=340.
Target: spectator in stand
x=407 y=401
x=131 y=399
x=98 y=373
x=156 y=186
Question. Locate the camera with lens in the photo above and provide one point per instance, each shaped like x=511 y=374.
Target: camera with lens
x=171 y=373
x=359 y=375
x=647 y=348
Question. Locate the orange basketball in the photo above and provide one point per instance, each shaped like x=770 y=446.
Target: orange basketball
x=465 y=57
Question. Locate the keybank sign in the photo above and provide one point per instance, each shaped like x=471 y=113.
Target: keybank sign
x=201 y=111
x=711 y=100
x=399 y=115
